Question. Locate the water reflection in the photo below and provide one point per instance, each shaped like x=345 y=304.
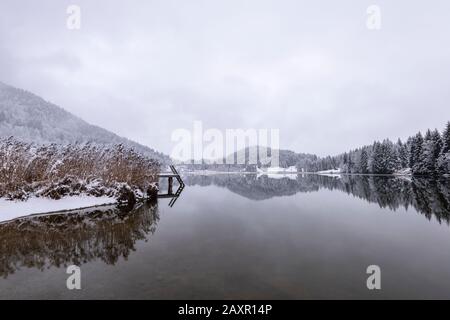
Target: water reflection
x=430 y=197
x=77 y=237
x=216 y=244
x=110 y=233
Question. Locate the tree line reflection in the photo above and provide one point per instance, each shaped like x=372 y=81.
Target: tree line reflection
x=111 y=233
x=78 y=237
x=430 y=197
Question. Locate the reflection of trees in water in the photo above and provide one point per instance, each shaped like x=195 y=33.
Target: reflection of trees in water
x=428 y=196
x=74 y=238
x=252 y=186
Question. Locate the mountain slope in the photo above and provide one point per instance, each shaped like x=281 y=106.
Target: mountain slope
x=28 y=117
x=287 y=158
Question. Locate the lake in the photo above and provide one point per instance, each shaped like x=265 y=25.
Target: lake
x=243 y=237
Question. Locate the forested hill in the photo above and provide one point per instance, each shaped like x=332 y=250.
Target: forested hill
x=28 y=117
x=422 y=154
x=245 y=159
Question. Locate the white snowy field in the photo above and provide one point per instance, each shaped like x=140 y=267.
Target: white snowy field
x=14 y=209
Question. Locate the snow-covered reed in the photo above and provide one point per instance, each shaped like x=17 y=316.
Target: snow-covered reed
x=54 y=171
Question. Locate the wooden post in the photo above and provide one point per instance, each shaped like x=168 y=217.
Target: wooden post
x=170 y=185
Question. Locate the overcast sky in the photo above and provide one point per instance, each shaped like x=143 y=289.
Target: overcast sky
x=310 y=68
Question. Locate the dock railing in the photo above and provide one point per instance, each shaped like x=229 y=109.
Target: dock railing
x=170 y=193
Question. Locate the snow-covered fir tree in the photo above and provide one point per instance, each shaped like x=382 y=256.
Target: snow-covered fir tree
x=364 y=162
x=443 y=161
x=427 y=155
x=402 y=150
x=384 y=158
x=416 y=154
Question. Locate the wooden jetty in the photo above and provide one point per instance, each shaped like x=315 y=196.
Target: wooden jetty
x=170 y=194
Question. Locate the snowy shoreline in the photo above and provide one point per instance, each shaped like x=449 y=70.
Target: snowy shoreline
x=10 y=209
x=337 y=172
x=324 y=173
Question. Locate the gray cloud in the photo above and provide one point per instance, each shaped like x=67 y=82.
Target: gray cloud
x=311 y=69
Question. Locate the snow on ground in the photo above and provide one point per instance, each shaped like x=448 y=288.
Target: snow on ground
x=13 y=209
x=403 y=172
x=291 y=176
x=329 y=172
x=291 y=169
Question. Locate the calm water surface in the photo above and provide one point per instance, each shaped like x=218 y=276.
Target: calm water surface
x=243 y=237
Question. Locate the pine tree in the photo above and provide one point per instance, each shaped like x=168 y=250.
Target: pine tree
x=376 y=165
x=345 y=162
x=350 y=166
x=384 y=158
x=412 y=151
x=426 y=166
x=436 y=150
x=391 y=157
x=446 y=139
x=364 y=162
x=443 y=161
x=431 y=149
x=402 y=150
x=416 y=154
x=423 y=155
